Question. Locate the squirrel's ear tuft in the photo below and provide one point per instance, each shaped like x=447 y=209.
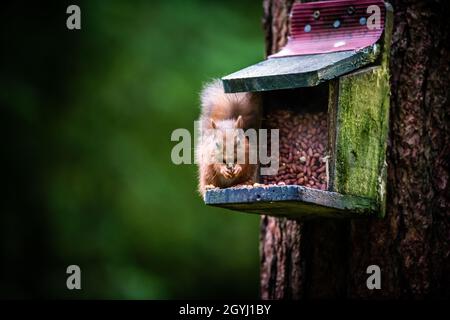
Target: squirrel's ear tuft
x=239 y=124
x=213 y=124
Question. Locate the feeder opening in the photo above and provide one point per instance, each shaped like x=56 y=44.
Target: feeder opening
x=301 y=117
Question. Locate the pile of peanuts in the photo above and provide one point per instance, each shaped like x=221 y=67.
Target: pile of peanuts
x=303 y=141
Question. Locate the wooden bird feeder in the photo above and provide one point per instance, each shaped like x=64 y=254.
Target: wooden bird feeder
x=337 y=61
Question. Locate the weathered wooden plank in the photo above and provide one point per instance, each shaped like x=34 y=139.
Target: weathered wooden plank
x=361 y=115
x=298 y=71
x=290 y=201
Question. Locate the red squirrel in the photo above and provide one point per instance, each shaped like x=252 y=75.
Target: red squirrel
x=221 y=113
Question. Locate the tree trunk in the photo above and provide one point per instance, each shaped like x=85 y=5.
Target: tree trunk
x=411 y=244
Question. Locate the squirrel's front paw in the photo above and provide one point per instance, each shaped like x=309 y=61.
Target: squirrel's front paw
x=237 y=170
x=224 y=172
x=210 y=186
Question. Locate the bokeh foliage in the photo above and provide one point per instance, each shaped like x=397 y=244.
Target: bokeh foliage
x=86 y=120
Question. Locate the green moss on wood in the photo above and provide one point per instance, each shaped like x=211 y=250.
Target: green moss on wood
x=361 y=131
x=361 y=124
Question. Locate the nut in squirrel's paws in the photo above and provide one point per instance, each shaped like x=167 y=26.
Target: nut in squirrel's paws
x=210 y=186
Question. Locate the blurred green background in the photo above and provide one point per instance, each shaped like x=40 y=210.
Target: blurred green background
x=86 y=119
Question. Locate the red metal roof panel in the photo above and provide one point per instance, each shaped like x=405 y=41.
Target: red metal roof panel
x=331 y=26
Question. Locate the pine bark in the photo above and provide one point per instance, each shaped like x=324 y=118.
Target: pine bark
x=328 y=258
